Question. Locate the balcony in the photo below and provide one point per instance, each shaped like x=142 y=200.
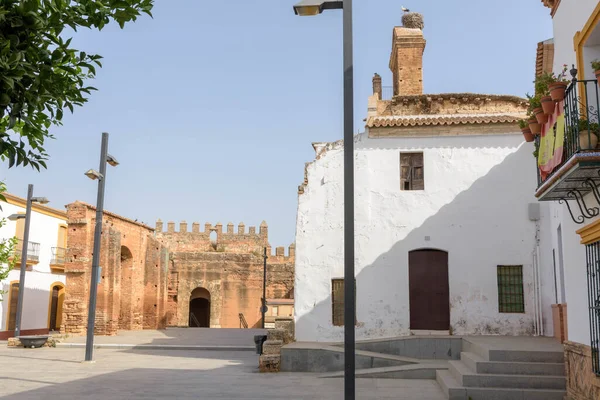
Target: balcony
x=33 y=252
x=576 y=173
x=59 y=256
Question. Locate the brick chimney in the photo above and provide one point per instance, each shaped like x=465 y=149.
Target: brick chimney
x=406 y=60
x=377 y=88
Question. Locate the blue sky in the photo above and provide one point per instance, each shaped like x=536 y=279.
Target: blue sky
x=212 y=106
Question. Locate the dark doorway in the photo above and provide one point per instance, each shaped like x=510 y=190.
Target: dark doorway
x=429 y=290
x=200 y=308
x=200 y=313
x=57 y=297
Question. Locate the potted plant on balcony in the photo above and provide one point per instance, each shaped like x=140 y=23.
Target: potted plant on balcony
x=559 y=84
x=588 y=134
x=596 y=66
x=526 y=131
x=535 y=110
x=542 y=83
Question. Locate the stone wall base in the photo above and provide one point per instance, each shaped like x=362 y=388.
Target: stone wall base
x=582 y=383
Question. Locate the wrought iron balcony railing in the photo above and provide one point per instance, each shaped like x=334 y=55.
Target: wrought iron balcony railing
x=59 y=256
x=582 y=113
x=33 y=250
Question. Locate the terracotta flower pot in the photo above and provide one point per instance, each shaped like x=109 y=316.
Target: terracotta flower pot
x=540 y=116
x=597 y=76
x=534 y=126
x=548 y=105
x=527 y=134
x=587 y=140
x=557 y=91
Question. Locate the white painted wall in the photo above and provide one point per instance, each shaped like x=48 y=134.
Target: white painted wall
x=570 y=18
x=44 y=230
x=475 y=206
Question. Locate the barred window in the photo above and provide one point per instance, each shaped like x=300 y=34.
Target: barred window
x=593 y=277
x=337 y=297
x=411 y=171
x=510 y=289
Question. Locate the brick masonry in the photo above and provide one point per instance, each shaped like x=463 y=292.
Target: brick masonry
x=230 y=268
x=148 y=276
x=133 y=286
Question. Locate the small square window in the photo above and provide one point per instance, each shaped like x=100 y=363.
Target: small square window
x=510 y=289
x=337 y=300
x=411 y=171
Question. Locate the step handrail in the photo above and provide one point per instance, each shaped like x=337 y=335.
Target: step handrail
x=243 y=322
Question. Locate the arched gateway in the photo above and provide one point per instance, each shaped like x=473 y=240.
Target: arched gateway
x=199 y=308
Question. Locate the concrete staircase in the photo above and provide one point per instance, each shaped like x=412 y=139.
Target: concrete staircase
x=485 y=372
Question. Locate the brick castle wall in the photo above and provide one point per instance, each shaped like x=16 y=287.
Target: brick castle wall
x=230 y=268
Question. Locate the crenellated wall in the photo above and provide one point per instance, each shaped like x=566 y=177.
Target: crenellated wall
x=228 y=262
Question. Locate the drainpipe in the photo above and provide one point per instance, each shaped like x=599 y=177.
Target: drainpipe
x=537 y=283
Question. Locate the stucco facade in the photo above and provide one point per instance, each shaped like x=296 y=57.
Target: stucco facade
x=576 y=27
x=473 y=203
x=44 y=268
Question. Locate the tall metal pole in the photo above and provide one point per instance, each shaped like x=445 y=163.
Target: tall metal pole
x=264 y=305
x=89 y=343
x=23 y=262
x=349 y=293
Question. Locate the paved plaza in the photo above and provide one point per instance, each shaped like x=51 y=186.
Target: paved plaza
x=58 y=373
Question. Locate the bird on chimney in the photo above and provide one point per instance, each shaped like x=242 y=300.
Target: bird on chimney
x=405 y=9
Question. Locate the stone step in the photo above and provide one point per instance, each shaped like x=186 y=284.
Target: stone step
x=468 y=378
x=490 y=354
x=450 y=386
x=455 y=391
x=481 y=366
x=412 y=371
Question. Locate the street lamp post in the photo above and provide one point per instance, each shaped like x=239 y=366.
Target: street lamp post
x=27 y=216
x=263 y=309
x=105 y=158
x=314 y=7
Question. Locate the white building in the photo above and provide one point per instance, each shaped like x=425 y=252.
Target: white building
x=447 y=225
x=44 y=279
x=575 y=239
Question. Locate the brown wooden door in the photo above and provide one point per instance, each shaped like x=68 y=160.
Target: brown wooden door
x=54 y=308
x=429 y=290
x=12 y=306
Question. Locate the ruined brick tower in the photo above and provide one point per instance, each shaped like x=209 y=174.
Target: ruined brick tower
x=406 y=60
x=152 y=279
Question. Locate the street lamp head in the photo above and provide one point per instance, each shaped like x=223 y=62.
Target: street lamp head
x=111 y=160
x=41 y=200
x=314 y=7
x=93 y=174
x=14 y=217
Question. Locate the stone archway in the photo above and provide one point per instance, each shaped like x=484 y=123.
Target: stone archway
x=199 y=308
x=125 y=309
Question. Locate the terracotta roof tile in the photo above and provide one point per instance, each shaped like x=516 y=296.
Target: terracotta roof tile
x=425 y=120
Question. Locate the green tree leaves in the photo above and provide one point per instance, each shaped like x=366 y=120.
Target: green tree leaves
x=41 y=75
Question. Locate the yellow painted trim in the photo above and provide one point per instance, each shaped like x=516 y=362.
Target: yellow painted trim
x=59 y=306
x=9 y=300
x=581 y=37
x=39 y=208
x=62 y=245
x=590 y=233
x=57 y=267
